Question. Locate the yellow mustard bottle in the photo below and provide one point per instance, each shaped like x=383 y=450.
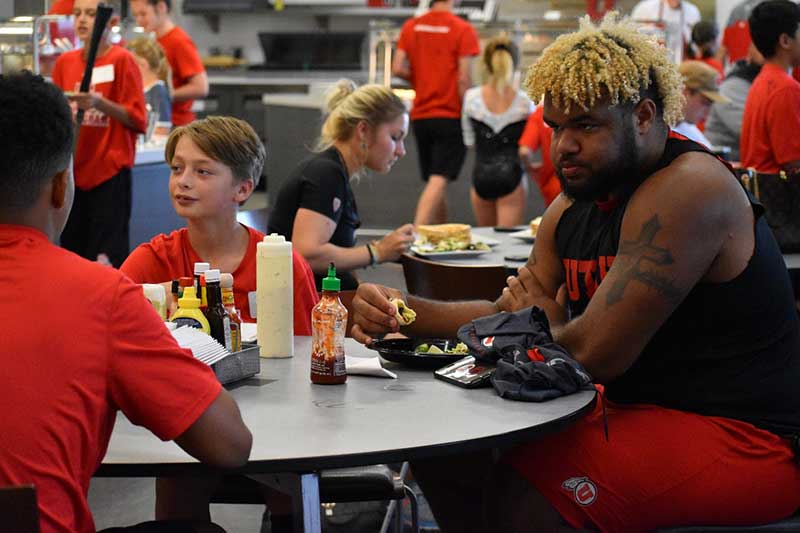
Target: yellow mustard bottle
x=189 y=313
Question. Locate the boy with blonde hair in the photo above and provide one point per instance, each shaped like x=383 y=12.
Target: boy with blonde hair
x=215 y=165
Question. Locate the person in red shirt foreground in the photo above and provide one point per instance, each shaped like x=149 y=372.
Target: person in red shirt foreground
x=96 y=345
x=537 y=136
x=696 y=341
x=769 y=141
x=114 y=114
x=189 y=78
x=216 y=163
x=434 y=53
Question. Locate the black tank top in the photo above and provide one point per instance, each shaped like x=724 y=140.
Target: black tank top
x=729 y=349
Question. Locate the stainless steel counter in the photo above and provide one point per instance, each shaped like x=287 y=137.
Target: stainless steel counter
x=282 y=77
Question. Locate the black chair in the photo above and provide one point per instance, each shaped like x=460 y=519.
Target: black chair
x=18 y=510
x=359 y=484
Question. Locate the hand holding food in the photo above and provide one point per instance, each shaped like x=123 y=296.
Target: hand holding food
x=395 y=244
x=404 y=315
x=373 y=312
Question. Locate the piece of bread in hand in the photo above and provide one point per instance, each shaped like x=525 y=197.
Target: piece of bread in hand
x=404 y=314
x=535 y=225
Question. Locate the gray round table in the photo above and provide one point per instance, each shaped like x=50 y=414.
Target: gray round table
x=302 y=428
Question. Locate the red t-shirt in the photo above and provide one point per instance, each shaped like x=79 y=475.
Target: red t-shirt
x=61 y=7
x=168 y=257
x=105 y=146
x=771 y=121
x=538 y=135
x=736 y=39
x=84 y=344
x=434 y=43
x=185 y=62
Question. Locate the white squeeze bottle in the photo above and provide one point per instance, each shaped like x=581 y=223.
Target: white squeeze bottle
x=274 y=298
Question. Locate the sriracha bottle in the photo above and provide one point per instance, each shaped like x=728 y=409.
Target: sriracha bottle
x=328 y=322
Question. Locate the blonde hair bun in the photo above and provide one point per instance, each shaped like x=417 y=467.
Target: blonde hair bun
x=337 y=93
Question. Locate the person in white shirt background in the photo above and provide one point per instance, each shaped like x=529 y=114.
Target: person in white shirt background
x=700 y=89
x=682 y=13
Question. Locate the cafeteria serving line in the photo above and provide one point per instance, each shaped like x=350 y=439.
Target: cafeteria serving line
x=547 y=375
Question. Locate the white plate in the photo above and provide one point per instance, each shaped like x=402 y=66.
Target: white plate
x=524 y=234
x=453 y=254
x=485 y=239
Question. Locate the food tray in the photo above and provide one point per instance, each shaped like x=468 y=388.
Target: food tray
x=239 y=365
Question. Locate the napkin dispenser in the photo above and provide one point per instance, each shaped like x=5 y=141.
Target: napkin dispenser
x=238 y=365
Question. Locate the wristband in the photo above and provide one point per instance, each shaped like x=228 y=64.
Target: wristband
x=372 y=259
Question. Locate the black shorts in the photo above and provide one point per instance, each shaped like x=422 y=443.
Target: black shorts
x=99 y=220
x=440 y=146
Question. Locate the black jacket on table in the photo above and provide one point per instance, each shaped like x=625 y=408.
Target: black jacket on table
x=729 y=349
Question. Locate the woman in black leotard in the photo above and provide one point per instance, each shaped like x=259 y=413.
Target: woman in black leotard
x=493 y=118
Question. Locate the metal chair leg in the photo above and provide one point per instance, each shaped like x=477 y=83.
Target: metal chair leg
x=412 y=500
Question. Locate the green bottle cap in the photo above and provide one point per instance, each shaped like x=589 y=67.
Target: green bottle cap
x=331 y=283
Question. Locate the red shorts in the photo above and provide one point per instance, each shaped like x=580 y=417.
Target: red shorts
x=660 y=468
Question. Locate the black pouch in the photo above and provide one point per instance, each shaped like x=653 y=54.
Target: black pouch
x=780 y=196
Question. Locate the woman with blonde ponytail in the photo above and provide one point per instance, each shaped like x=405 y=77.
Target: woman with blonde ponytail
x=492 y=120
x=364 y=130
x=156 y=75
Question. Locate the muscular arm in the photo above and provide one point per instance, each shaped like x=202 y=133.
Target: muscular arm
x=219 y=437
x=544 y=267
x=658 y=262
x=373 y=315
x=196 y=87
x=400 y=66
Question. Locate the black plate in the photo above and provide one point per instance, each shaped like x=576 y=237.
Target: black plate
x=402 y=351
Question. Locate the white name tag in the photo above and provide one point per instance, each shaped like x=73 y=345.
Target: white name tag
x=102 y=74
x=251 y=300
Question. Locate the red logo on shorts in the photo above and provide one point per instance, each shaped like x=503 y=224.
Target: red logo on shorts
x=583 y=489
x=488 y=341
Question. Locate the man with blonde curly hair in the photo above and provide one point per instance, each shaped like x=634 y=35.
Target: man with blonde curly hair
x=695 y=340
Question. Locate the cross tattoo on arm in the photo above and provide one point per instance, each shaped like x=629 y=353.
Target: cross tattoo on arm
x=639 y=252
